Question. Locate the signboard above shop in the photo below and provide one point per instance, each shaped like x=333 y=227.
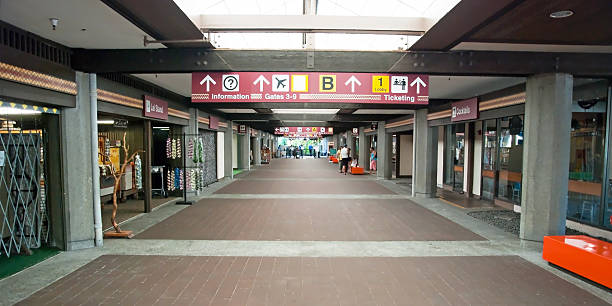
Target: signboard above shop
x=383 y=88
x=304 y=130
x=464 y=110
x=155 y=108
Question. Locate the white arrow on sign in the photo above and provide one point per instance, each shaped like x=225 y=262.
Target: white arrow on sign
x=418 y=83
x=208 y=80
x=261 y=79
x=352 y=80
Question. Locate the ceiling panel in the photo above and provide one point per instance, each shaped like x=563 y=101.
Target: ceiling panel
x=104 y=28
x=529 y=22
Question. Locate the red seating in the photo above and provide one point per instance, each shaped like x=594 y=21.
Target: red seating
x=357 y=170
x=585 y=256
x=334 y=160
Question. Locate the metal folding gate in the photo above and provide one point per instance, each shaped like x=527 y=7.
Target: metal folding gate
x=24 y=218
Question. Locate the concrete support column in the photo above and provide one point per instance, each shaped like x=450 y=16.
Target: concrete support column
x=546 y=153
x=364 y=150
x=77 y=168
x=349 y=142
x=257 y=151
x=336 y=140
x=425 y=156
x=384 y=152
x=228 y=168
x=244 y=150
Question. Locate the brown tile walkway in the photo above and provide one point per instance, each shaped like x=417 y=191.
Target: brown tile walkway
x=292 y=174
x=308 y=220
x=461 y=200
x=304 y=187
x=163 y=280
x=128 y=209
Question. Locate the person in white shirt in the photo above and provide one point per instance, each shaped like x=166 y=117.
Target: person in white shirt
x=344 y=155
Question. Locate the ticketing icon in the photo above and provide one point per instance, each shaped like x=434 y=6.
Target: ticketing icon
x=399 y=84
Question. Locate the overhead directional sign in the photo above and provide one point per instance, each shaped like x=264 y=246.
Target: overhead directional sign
x=304 y=130
x=216 y=87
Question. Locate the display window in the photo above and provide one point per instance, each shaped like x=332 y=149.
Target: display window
x=454 y=144
x=502 y=159
x=587 y=168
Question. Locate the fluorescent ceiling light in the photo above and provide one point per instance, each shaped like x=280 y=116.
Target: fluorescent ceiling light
x=237 y=110
x=300 y=121
x=17 y=111
x=382 y=111
x=305 y=110
x=163 y=128
x=106 y=121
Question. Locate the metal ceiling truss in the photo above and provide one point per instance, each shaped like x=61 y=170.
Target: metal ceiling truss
x=483 y=63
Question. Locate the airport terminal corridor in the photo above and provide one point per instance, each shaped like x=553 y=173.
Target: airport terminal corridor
x=298 y=232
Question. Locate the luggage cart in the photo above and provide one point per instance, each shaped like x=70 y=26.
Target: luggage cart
x=161 y=190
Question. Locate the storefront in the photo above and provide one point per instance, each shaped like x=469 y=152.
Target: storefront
x=31 y=214
x=490 y=144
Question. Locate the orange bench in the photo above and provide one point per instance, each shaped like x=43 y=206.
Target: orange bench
x=357 y=170
x=334 y=160
x=588 y=257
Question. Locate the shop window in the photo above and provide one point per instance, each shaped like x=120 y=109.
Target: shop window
x=587 y=159
x=510 y=159
x=489 y=159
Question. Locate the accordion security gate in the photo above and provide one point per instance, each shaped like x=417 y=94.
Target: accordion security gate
x=24 y=221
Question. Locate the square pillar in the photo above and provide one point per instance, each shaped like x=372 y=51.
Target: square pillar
x=76 y=128
x=364 y=149
x=384 y=148
x=244 y=150
x=228 y=168
x=425 y=156
x=349 y=142
x=546 y=154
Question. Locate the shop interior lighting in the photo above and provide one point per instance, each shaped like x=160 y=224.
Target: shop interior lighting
x=163 y=128
x=106 y=121
x=305 y=111
x=17 y=111
x=561 y=14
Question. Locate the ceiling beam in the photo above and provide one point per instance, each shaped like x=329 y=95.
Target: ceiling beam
x=314 y=117
x=312 y=24
x=484 y=63
x=162 y=19
x=460 y=22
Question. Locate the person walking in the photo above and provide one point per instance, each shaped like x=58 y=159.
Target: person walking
x=344 y=154
x=373 y=159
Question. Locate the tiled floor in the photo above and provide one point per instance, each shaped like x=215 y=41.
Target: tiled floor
x=308 y=220
x=296 y=232
x=229 y=280
x=128 y=209
x=306 y=186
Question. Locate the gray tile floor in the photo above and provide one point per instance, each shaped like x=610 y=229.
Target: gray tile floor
x=498 y=270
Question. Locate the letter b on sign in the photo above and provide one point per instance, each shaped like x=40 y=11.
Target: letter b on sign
x=327 y=83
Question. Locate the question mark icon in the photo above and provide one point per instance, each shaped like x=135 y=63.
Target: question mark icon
x=230 y=82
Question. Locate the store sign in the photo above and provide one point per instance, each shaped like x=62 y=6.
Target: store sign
x=213 y=122
x=155 y=108
x=384 y=88
x=120 y=123
x=309 y=131
x=465 y=110
x=374 y=125
x=242 y=129
x=355 y=131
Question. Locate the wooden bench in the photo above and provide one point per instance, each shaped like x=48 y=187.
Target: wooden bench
x=357 y=170
x=588 y=257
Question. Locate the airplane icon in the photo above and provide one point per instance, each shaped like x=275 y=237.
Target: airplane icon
x=280 y=82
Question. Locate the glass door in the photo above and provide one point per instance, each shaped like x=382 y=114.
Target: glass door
x=510 y=159
x=489 y=160
x=449 y=153
x=459 y=157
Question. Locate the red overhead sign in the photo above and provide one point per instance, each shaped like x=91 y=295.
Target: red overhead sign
x=465 y=110
x=155 y=108
x=305 y=131
x=218 y=87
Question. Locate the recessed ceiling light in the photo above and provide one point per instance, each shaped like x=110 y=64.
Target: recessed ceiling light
x=561 y=14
